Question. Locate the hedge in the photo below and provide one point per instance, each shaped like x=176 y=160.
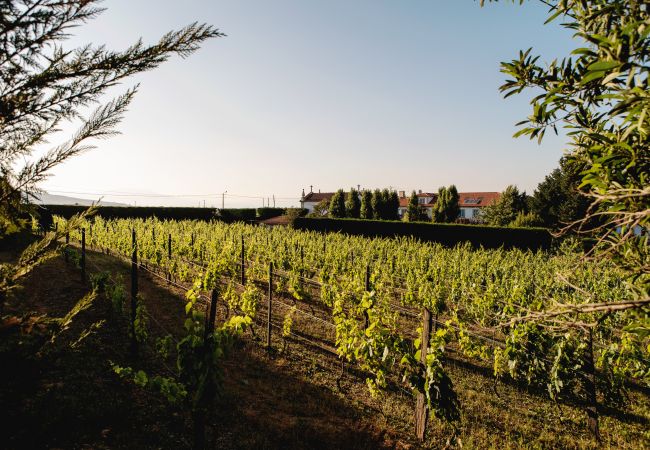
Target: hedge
x=446 y=234
x=138 y=212
x=171 y=213
x=237 y=214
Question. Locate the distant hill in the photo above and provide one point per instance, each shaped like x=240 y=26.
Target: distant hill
x=51 y=199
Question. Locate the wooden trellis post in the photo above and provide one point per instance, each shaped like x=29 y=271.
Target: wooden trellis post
x=67 y=246
x=169 y=257
x=134 y=289
x=205 y=397
x=421 y=410
x=590 y=385
x=269 y=308
x=243 y=270
x=211 y=313
x=365 y=313
x=82 y=263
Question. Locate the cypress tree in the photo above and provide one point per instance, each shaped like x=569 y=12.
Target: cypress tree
x=452 y=210
x=446 y=209
x=366 y=205
x=393 y=206
x=352 y=204
x=376 y=204
x=439 y=207
x=337 y=204
x=385 y=201
x=414 y=210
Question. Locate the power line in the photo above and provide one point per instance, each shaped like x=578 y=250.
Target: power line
x=115 y=194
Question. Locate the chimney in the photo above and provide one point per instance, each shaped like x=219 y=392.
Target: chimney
x=402 y=194
x=419 y=191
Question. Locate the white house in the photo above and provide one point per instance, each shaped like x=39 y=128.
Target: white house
x=312 y=199
x=471 y=203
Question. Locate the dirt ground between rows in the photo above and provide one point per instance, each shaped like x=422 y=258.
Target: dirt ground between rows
x=269 y=401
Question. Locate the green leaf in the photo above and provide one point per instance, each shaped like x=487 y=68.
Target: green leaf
x=140 y=378
x=603 y=65
x=592 y=76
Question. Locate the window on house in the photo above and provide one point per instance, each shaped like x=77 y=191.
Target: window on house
x=462 y=213
x=476 y=212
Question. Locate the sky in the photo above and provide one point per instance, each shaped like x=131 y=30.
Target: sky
x=330 y=93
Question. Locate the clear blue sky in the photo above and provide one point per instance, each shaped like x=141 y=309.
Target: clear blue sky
x=329 y=93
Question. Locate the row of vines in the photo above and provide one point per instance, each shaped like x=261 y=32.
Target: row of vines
x=374 y=290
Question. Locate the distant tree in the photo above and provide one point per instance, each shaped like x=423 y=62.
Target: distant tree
x=366 y=211
x=352 y=204
x=337 y=204
x=393 y=206
x=557 y=200
x=385 y=200
x=377 y=204
x=438 y=211
x=321 y=209
x=446 y=208
x=294 y=213
x=453 y=208
x=414 y=210
x=523 y=219
x=505 y=210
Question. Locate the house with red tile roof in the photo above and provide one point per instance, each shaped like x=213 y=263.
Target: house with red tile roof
x=470 y=203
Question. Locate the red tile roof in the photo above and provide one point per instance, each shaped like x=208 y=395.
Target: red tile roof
x=477 y=199
x=318 y=196
x=404 y=201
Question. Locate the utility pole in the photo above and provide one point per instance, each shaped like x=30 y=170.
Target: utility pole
x=222 y=198
x=274 y=200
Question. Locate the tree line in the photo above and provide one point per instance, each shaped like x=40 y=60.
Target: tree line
x=556 y=202
x=372 y=205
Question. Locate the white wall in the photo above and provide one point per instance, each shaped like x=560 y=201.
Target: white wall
x=309 y=206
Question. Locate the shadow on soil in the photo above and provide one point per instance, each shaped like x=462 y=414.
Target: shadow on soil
x=69 y=398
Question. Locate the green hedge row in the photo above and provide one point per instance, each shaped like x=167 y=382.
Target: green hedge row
x=138 y=212
x=446 y=234
x=171 y=213
x=237 y=214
